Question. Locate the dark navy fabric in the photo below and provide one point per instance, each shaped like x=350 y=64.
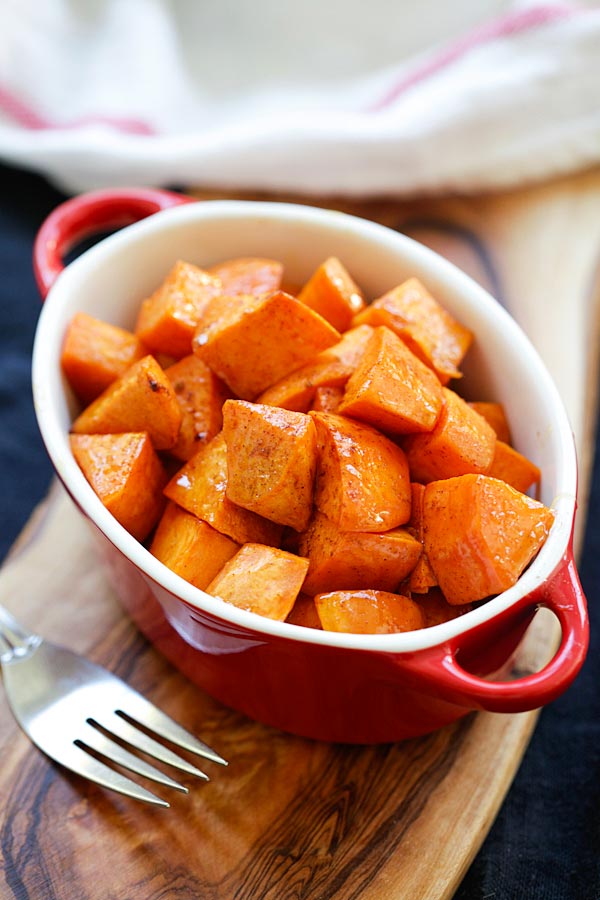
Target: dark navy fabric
x=545 y=844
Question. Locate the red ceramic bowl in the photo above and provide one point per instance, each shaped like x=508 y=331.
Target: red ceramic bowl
x=340 y=687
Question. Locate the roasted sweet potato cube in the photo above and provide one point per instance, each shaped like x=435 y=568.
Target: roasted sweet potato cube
x=127 y=475
x=344 y=560
x=96 y=353
x=461 y=442
x=392 y=389
x=304 y=612
x=327 y=399
x=271 y=461
x=436 y=609
x=423 y=324
x=368 y=612
x=296 y=391
x=200 y=488
x=363 y=481
x=480 y=534
x=167 y=319
x=330 y=368
x=333 y=293
x=201 y=396
x=140 y=400
x=248 y=275
x=514 y=468
x=422 y=577
x=350 y=347
x=495 y=415
x=261 y=340
x=190 y=547
x=261 y=579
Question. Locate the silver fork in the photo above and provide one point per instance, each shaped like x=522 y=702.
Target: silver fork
x=73 y=709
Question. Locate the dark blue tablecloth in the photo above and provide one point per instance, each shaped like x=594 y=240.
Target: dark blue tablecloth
x=545 y=844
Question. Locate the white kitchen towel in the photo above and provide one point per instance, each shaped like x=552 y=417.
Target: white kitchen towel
x=385 y=97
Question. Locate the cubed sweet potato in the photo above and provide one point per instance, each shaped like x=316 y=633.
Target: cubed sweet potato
x=495 y=415
x=142 y=399
x=480 y=534
x=422 y=577
x=392 y=389
x=344 y=560
x=127 y=475
x=460 y=442
x=167 y=319
x=190 y=547
x=436 y=609
x=332 y=292
x=201 y=396
x=96 y=353
x=350 y=347
x=363 y=480
x=514 y=468
x=271 y=461
x=304 y=612
x=425 y=326
x=368 y=612
x=200 y=487
x=248 y=275
x=262 y=340
x=330 y=368
x=296 y=391
x=261 y=579
x=327 y=399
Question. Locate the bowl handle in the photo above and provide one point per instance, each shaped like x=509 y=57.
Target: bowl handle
x=87 y=214
x=561 y=593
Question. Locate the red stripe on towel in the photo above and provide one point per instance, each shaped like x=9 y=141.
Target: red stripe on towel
x=505 y=26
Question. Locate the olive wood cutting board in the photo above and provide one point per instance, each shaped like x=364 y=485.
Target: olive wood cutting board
x=291 y=818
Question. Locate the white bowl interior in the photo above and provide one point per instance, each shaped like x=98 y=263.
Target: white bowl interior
x=110 y=280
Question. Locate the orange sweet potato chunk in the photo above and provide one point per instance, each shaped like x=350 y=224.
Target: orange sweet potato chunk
x=167 y=319
x=514 y=468
x=327 y=399
x=392 y=389
x=140 y=400
x=495 y=415
x=333 y=293
x=422 y=576
x=201 y=396
x=200 y=487
x=96 y=353
x=461 y=442
x=368 y=612
x=423 y=324
x=190 y=547
x=248 y=275
x=363 y=481
x=436 y=609
x=341 y=560
x=330 y=368
x=350 y=347
x=127 y=475
x=261 y=340
x=271 y=461
x=261 y=579
x=297 y=391
x=480 y=534
x=304 y=612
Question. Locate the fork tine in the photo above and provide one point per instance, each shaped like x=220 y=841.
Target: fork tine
x=121 y=728
x=149 y=716
x=78 y=760
x=93 y=739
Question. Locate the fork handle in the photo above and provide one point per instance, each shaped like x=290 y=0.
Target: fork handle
x=16 y=642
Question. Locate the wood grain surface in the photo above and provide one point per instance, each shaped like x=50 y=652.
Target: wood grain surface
x=291 y=818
